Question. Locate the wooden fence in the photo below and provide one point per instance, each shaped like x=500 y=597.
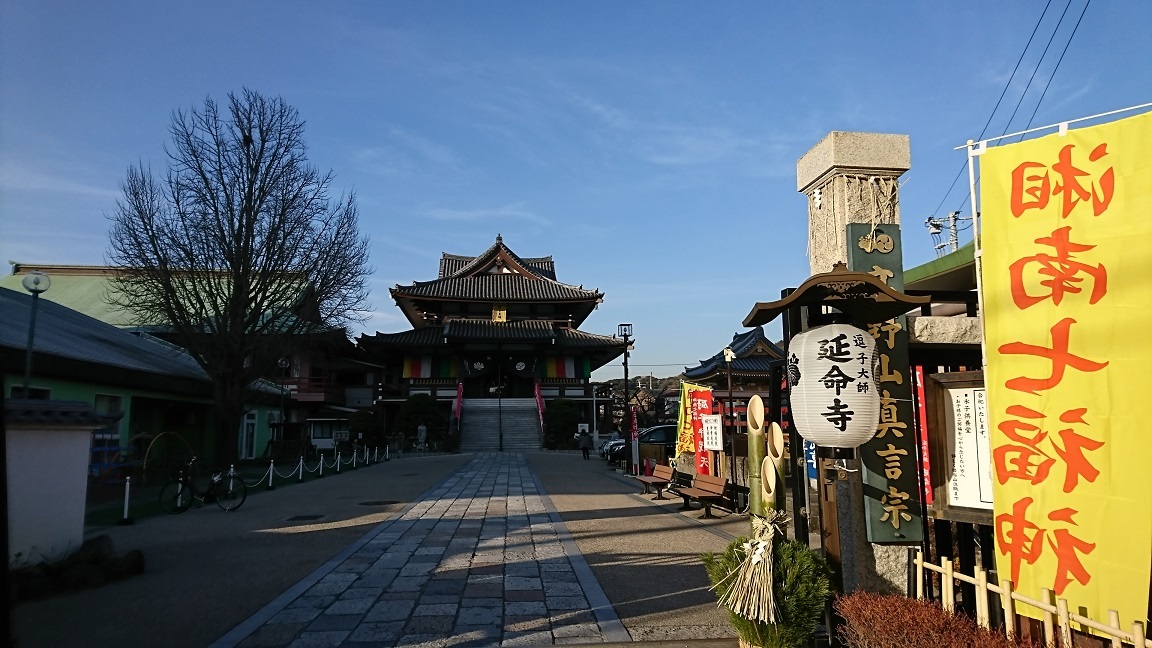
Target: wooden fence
x=1056 y=618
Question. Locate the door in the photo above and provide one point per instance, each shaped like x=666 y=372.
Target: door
x=248 y=436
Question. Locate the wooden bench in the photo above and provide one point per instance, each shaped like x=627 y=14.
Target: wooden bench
x=706 y=489
x=660 y=478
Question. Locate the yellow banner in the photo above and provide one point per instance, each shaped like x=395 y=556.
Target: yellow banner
x=1067 y=283
x=685 y=437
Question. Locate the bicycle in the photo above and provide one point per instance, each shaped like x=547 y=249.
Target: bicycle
x=225 y=488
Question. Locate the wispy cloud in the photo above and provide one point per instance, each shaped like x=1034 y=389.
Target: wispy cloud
x=14 y=177
x=515 y=211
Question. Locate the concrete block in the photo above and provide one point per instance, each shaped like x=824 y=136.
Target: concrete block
x=854 y=151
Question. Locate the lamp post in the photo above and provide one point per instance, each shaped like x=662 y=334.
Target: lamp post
x=729 y=356
x=34 y=282
x=625 y=332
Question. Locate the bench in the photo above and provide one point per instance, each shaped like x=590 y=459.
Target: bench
x=706 y=489
x=660 y=478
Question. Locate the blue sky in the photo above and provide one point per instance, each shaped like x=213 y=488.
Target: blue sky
x=649 y=147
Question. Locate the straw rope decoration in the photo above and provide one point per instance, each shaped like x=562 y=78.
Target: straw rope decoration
x=750 y=594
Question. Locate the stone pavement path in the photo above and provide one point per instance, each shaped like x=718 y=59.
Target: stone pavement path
x=481 y=559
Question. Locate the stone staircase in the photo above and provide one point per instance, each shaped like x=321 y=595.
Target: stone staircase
x=480 y=424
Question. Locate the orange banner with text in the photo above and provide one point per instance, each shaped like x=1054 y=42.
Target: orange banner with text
x=1067 y=302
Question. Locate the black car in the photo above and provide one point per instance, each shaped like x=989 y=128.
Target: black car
x=658 y=435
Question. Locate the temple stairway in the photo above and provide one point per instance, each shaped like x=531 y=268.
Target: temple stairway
x=481 y=425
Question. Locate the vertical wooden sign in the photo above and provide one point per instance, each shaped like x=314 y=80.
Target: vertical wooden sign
x=889 y=462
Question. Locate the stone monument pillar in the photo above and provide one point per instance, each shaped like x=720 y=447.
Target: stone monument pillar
x=852 y=178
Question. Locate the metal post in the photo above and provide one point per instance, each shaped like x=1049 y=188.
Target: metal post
x=625 y=332
x=730 y=410
x=500 y=408
x=34 y=282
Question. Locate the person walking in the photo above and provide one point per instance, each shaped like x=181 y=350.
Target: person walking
x=585 y=443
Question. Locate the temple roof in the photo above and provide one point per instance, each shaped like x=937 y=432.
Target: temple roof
x=497 y=276
x=496 y=287
x=464 y=330
x=755 y=354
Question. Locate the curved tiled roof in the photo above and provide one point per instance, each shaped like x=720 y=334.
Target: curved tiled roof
x=577 y=338
x=525 y=330
x=475 y=329
x=69 y=334
x=451 y=264
x=749 y=365
x=424 y=336
x=742 y=344
x=497 y=287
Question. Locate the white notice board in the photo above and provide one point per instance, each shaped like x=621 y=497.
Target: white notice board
x=970 y=480
x=712 y=432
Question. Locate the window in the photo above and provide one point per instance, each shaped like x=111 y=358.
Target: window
x=111 y=405
x=34 y=393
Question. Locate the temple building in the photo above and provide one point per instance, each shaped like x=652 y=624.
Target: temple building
x=494 y=338
x=753 y=356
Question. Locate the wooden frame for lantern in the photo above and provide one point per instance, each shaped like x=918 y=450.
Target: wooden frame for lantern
x=863 y=297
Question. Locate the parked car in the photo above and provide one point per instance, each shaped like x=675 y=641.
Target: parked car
x=658 y=435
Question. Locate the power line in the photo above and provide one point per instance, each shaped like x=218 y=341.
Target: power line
x=992 y=114
x=1037 y=67
x=1058 y=61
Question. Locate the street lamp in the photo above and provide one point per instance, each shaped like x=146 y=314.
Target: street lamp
x=283 y=363
x=34 y=282
x=625 y=332
x=729 y=356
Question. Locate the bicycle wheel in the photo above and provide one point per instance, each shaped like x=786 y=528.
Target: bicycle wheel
x=175 y=497
x=231 y=491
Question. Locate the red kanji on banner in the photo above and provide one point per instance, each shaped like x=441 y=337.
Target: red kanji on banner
x=1060 y=272
x=1058 y=354
x=1033 y=185
x=1023 y=458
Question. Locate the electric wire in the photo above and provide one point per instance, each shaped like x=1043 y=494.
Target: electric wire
x=1058 y=62
x=1036 y=69
x=992 y=114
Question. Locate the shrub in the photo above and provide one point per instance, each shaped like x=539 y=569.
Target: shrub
x=802 y=582
x=893 y=621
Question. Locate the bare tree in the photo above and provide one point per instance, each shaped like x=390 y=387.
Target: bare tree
x=238 y=248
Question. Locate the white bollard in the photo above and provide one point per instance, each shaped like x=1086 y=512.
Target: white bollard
x=387 y=452
x=127 y=489
x=337 y=461
x=271 y=471
x=321 y=473
x=301 y=468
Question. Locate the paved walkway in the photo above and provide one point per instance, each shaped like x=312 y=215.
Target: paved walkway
x=481 y=559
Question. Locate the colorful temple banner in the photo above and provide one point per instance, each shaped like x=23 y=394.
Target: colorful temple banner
x=566 y=367
x=1067 y=305
x=429 y=367
x=695 y=403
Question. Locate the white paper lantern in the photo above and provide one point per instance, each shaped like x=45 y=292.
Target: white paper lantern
x=833 y=391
